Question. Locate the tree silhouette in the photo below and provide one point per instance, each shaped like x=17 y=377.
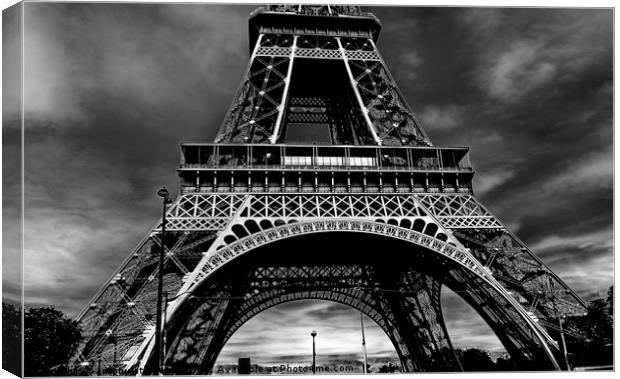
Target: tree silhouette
x=597 y=326
x=50 y=339
x=475 y=360
x=11 y=339
x=504 y=363
x=610 y=302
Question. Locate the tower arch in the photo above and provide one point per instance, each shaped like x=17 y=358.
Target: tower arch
x=366 y=282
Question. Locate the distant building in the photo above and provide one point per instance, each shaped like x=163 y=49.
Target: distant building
x=244 y=366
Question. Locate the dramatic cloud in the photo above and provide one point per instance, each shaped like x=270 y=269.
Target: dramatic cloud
x=536 y=89
x=111 y=89
x=518 y=70
x=519 y=52
x=286 y=329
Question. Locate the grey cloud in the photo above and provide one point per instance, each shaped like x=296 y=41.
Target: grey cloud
x=548 y=46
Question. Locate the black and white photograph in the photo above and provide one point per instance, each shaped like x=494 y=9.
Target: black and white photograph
x=306 y=189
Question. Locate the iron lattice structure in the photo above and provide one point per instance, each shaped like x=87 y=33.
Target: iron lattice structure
x=260 y=217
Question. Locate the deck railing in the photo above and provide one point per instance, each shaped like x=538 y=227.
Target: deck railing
x=253 y=156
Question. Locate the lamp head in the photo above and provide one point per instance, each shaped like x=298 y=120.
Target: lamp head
x=313 y=334
x=163 y=192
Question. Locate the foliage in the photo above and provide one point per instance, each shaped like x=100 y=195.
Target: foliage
x=475 y=360
x=610 y=302
x=50 y=339
x=11 y=339
x=388 y=368
x=597 y=327
x=505 y=363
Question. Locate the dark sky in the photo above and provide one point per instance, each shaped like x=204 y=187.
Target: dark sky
x=111 y=90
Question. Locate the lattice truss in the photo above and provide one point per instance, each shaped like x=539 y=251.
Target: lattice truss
x=257 y=111
x=402 y=301
x=462 y=211
x=319 y=47
x=237 y=247
x=306 y=105
x=391 y=117
x=316 y=10
x=119 y=316
x=418 y=333
x=244 y=237
x=533 y=284
x=254 y=112
x=119 y=321
x=204 y=211
x=510 y=261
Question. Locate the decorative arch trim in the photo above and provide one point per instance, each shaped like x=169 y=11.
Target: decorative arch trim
x=227 y=253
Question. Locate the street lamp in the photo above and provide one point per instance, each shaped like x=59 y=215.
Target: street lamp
x=165 y=195
x=313 y=334
x=365 y=368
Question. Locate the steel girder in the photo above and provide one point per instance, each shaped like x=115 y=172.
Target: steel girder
x=225 y=250
x=121 y=314
x=405 y=304
x=316 y=10
x=193 y=352
x=117 y=321
x=206 y=211
x=257 y=112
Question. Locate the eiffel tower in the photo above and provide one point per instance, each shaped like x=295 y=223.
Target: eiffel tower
x=322 y=184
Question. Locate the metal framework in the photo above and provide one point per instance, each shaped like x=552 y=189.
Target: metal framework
x=257 y=114
x=250 y=199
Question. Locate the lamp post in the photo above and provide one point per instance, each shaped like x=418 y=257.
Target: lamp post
x=313 y=334
x=164 y=337
x=365 y=368
x=165 y=195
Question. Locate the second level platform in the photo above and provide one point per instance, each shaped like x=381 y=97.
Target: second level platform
x=323 y=168
x=215 y=156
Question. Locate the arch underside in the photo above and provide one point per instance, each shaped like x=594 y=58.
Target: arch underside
x=393 y=282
